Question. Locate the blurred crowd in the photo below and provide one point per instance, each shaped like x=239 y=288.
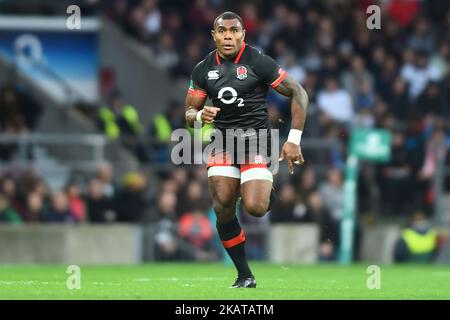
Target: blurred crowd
x=396 y=78
x=176 y=202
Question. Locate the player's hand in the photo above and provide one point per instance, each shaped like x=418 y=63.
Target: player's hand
x=209 y=113
x=293 y=155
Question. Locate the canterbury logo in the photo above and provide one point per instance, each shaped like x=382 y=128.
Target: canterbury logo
x=213 y=74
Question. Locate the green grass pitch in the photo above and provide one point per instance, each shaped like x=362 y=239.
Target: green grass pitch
x=190 y=281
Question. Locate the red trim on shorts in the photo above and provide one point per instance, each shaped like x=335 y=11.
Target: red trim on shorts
x=197 y=93
x=246 y=167
x=234 y=241
x=282 y=74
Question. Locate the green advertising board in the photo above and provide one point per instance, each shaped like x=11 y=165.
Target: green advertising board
x=365 y=144
x=371 y=144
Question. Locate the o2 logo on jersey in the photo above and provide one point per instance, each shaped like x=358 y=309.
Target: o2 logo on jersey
x=241 y=73
x=231 y=99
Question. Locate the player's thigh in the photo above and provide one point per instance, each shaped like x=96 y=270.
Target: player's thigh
x=224 y=190
x=256 y=194
x=256 y=186
x=224 y=180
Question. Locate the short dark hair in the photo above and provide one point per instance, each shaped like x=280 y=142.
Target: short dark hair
x=228 y=15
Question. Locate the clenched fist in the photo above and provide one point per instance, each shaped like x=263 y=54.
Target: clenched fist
x=209 y=113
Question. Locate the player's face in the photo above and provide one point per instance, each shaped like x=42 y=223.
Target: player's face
x=228 y=35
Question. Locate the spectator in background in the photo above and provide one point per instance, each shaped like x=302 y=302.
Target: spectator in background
x=12 y=119
x=59 y=210
x=178 y=184
x=35 y=208
x=7 y=214
x=121 y=119
x=418 y=75
x=161 y=128
x=418 y=241
x=200 y=14
x=388 y=74
x=329 y=68
x=286 y=209
x=99 y=206
x=435 y=149
x=328 y=227
x=432 y=101
x=439 y=58
x=167 y=56
x=305 y=183
x=396 y=193
x=130 y=201
x=333 y=96
x=325 y=35
x=171 y=185
x=152 y=23
x=168 y=244
x=193 y=198
x=188 y=60
x=358 y=73
x=134 y=23
x=41 y=189
x=293 y=68
x=332 y=192
x=180 y=177
x=9 y=190
x=143 y=21
x=104 y=175
x=76 y=202
x=423 y=36
x=364 y=104
x=399 y=99
x=165 y=208
x=196 y=229
x=403 y=12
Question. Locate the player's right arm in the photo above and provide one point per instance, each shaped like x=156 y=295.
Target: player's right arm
x=195 y=109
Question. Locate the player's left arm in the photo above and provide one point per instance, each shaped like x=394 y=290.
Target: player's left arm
x=291 y=150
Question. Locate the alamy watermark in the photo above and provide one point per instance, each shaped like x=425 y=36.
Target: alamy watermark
x=374 y=20
x=374 y=279
x=74 y=278
x=73 y=22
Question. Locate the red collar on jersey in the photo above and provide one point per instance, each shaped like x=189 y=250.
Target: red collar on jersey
x=238 y=57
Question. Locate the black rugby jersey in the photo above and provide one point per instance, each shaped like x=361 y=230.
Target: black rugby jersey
x=238 y=86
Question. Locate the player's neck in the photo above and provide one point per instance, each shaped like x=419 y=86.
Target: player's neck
x=230 y=57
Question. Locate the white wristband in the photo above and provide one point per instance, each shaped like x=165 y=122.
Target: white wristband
x=199 y=116
x=295 y=136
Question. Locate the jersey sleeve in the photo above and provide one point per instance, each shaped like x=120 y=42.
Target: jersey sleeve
x=197 y=82
x=268 y=70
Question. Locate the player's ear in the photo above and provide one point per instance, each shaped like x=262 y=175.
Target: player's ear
x=213 y=33
x=243 y=34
